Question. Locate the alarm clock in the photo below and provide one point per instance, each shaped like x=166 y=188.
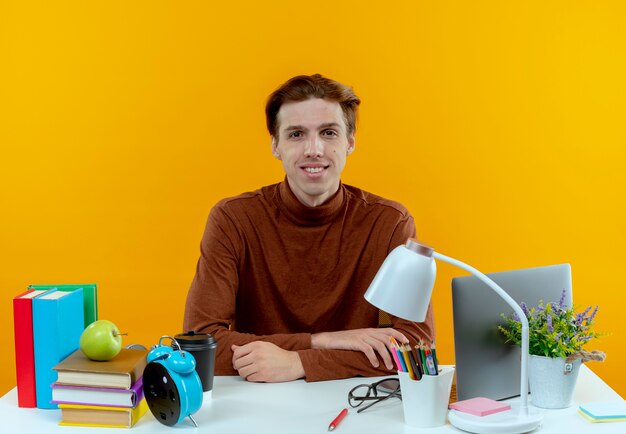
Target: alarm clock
x=171 y=385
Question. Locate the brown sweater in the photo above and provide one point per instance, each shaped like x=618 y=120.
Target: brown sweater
x=275 y=270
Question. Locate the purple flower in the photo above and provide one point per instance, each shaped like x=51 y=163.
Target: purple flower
x=586 y=311
x=549 y=323
x=584 y=338
x=579 y=318
x=592 y=316
x=562 y=300
x=524 y=307
x=515 y=317
x=558 y=336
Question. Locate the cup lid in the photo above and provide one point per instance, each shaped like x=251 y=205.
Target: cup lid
x=194 y=338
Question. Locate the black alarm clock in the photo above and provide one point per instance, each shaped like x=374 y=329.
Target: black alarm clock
x=171 y=385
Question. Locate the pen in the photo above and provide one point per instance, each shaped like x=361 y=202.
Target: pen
x=338 y=419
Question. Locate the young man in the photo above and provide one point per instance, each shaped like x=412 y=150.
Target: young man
x=283 y=270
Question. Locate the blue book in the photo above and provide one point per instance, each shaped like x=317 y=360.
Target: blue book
x=90 y=296
x=58 y=321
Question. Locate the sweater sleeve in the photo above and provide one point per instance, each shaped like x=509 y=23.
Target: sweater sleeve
x=334 y=364
x=322 y=365
x=211 y=300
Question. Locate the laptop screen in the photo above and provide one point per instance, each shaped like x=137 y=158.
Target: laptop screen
x=485 y=365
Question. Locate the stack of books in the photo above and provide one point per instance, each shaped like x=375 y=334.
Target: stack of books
x=106 y=394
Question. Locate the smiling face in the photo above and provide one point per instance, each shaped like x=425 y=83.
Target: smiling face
x=312 y=142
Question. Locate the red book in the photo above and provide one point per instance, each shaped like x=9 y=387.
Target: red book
x=24 y=355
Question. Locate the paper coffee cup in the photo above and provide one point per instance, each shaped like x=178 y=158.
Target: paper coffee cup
x=202 y=346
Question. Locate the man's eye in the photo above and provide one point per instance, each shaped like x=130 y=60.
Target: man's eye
x=329 y=133
x=295 y=134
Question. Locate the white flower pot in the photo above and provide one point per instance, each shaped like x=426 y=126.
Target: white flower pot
x=552 y=381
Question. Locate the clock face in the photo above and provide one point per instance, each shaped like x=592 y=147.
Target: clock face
x=161 y=394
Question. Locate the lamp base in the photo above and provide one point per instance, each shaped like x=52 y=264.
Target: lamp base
x=512 y=421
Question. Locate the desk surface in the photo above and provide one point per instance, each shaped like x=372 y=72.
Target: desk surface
x=241 y=407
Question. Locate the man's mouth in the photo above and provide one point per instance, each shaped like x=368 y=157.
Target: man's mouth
x=314 y=169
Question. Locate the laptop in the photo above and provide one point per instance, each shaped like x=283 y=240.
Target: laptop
x=486 y=366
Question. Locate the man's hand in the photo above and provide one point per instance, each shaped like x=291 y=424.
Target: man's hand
x=369 y=341
x=266 y=362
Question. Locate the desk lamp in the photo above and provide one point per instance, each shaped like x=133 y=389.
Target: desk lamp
x=403 y=286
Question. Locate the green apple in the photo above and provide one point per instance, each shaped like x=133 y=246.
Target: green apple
x=101 y=340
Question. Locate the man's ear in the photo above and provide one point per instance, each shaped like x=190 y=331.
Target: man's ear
x=275 y=152
x=350 y=149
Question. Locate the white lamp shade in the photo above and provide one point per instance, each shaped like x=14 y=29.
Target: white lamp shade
x=403 y=285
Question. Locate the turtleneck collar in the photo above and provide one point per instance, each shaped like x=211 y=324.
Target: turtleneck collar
x=304 y=215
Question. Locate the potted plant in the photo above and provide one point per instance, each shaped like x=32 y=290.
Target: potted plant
x=557 y=335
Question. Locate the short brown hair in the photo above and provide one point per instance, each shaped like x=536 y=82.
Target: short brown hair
x=303 y=87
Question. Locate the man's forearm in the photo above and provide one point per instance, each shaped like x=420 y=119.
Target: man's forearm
x=321 y=365
x=265 y=362
x=226 y=339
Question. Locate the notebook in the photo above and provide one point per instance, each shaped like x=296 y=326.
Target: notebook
x=485 y=365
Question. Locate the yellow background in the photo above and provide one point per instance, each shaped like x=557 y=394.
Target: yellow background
x=500 y=125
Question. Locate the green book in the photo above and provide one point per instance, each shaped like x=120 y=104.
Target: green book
x=90 y=297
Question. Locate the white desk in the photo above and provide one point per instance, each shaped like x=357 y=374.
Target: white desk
x=298 y=407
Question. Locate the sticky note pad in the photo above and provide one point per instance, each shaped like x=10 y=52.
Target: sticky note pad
x=480 y=406
x=602 y=419
x=604 y=410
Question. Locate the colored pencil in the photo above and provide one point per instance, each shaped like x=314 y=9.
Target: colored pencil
x=416 y=369
x=434 y=353
x=394 y=354
x=407 y=362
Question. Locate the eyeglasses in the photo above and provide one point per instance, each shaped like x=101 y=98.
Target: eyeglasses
x=375 y=392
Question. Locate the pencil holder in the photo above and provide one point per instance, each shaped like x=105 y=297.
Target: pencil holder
x=425 y=402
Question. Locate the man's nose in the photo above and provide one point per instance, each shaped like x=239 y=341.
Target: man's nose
x=314 y=147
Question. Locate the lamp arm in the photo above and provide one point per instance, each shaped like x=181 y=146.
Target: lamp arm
x=516 y=308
